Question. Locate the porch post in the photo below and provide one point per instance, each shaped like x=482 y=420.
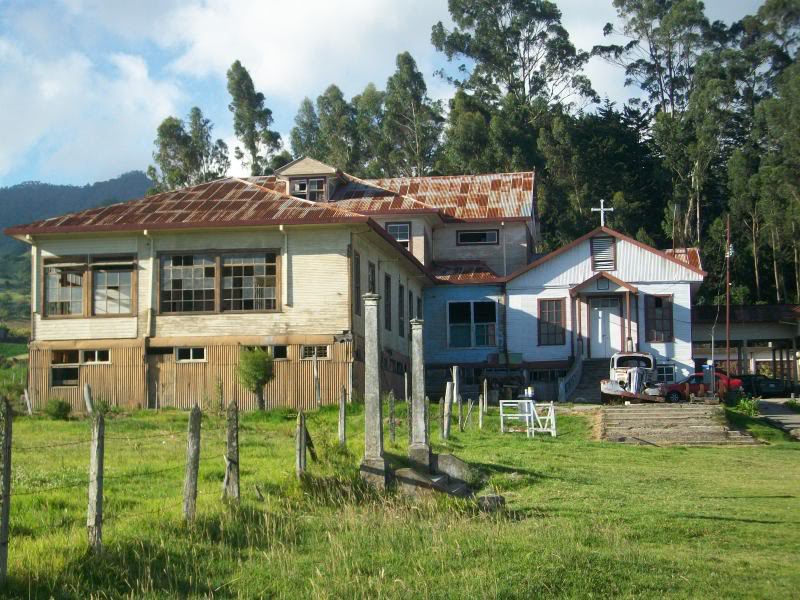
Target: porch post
x=628 y=339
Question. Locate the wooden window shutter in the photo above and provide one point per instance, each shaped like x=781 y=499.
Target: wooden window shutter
x=603 y=254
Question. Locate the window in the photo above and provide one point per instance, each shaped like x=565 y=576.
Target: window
x=551 y=322
x=401 y=232
x=387 y=302
x=401 y=310
x=310 y=189
x=187 y=283
x=250 y=282
x=477 y=237
x=64 y=289
x=357 y=283
x=372 y=284
x=604 y=253
x=64 y=371
x=658 y=318
x=665 y=373
x=190 y=354
x=96 y=356
x=280 y=352
x=112 y=285
x=472 y=324
x=419 y=307
x=308 y=352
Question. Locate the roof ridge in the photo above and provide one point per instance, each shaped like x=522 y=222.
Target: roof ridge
x=365 y=182
x=529 y=172
x=304 y=200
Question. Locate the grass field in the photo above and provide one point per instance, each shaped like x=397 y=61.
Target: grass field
x=9 y=349
x=584 y=518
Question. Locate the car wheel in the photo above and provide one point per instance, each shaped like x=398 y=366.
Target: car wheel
x=674 y=397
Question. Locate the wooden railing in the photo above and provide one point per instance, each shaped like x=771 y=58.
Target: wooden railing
x=570 y=381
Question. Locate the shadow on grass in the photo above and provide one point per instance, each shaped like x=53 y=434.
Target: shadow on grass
x=736 y=519
x=759 y=427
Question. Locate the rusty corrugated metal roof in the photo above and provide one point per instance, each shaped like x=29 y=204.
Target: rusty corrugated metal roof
x=690 y=256
x=226 y=202
x=364 y=197
x=470 y=197
x=463 y=271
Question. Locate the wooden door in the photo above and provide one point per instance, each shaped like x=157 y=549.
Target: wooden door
x=606 y=324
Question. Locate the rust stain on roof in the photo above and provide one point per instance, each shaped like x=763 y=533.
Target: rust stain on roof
x=463 y=271
x=690 y=256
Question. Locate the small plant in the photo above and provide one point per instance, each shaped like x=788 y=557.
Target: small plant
x=792 y=405
x=747 y=406
x=58 y=409
x=254 y=371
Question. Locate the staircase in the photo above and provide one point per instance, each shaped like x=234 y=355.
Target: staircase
x=670 y=425
x=588 y=389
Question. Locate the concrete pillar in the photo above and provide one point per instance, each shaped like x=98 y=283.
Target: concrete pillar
x=373 y=466
x=419 y=451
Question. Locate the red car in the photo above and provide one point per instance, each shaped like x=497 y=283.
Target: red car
x=677 y=392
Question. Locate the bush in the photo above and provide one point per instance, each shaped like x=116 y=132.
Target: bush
x=747 y=406
x=58 y=409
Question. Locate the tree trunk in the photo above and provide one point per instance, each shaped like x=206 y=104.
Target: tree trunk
x=775 y=270
x=796 y=266
x=260 y=398
x=754 y=242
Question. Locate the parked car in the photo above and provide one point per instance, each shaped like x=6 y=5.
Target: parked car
x=678 y=392
x=767 y=387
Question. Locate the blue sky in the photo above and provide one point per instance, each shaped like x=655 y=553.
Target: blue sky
x=85 y=83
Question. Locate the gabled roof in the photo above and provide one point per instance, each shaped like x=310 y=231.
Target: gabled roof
x=603 y=275
x=306 y=166
x=495 y=197
x=364 y=197
x=613 y=233
x=463 y=271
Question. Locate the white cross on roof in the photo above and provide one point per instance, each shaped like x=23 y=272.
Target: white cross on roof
x=602 y=210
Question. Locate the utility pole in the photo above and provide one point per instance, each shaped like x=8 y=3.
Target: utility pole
x=728 y=252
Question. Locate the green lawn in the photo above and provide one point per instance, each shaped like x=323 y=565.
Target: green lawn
x=584 y=519
x=9 y=349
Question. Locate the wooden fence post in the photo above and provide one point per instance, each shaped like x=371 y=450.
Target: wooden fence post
x=448 y=407
x=470 y=404
x=480 y=411
x=391 y=417
x=87 y=398
x=94 y=514
x=460 y=413
x=230 y=485
x=27 y=398
x=192 y=465
x=6 y=419
x=343 y=418
x=300 y=446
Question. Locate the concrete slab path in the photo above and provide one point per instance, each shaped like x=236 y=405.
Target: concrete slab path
x=782 y=416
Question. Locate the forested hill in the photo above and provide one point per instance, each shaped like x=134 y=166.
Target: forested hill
x=31 y=201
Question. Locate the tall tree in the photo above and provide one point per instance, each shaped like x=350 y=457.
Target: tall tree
x=186 y=157
x=373 y=147
x=515 y=47
x=412 y=122
x=305 y=133
x=251 y=121
x=337 y=130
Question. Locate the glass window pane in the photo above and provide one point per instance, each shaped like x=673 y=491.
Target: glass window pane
x=459 y=312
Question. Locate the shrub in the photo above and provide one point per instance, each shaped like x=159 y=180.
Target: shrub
x=748 y=406
x=254 y=371
x=58 y=409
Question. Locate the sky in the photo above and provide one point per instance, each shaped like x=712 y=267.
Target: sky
x=85 y=83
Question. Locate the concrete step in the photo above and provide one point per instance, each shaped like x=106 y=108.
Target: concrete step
x=686 y=441
x=658 y=430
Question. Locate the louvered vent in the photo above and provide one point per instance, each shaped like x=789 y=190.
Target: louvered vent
x=603 y=254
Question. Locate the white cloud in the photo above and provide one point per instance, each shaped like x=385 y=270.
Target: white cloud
x=65 y=113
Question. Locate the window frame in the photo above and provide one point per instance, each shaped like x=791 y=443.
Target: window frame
x=409 y=241
x=307 y=180
x=217 y=255
x=459 y=232
x=663 y=378
x=315 y=346
x=372 y=278
x=87 y=261
x=472 y=324
x=539 y=322
x=76 y=365
x=653 y=339
x=191 y=358
x=95 y=362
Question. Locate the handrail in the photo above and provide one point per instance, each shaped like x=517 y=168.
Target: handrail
x=570 y=381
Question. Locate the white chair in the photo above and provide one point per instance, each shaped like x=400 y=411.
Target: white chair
x=515 y=411
x=544 y=418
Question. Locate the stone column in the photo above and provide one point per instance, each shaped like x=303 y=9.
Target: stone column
x=419 y=451
x=373 y=466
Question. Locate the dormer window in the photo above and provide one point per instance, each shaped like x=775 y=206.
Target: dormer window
x=309 y=188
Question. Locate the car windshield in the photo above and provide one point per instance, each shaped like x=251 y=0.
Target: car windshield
x=629 y=362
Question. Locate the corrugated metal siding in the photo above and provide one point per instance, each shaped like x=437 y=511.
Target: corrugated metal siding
x=121 y=383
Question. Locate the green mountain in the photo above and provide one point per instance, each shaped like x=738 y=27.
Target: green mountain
x=32 y=200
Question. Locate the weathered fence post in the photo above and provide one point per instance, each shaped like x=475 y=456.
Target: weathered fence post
x=6 y=419
x=87 y=398
x=485 y=395
x=342 y=418
x=300 y=446
x=448 y=407
x=470 y=404
x=441 y=417
x=391 y=416
x=28 y=406
x=480 y=411
x=192 y=465
x=460 y=413
x=230 y=485
x=94 y=514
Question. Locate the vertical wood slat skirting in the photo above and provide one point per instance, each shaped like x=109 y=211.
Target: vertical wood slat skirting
x=135 y=380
